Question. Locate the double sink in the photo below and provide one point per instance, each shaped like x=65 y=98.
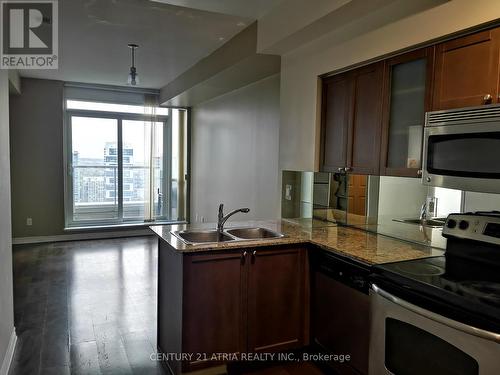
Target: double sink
x=197 y=237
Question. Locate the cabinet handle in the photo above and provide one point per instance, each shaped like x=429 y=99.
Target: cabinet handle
x=419 y=173
x=254 y=253
x=487 y=99
x=243 y=256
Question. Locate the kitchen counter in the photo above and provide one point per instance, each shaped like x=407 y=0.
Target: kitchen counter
x=369 y=248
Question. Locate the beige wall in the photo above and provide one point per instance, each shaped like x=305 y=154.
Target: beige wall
x=234 y=152
x=36 y=136
x=481 y=202
x=299 y=123
x=6 y=299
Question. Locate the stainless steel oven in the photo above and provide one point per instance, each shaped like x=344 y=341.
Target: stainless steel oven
x=462 y=149
x=410 y=340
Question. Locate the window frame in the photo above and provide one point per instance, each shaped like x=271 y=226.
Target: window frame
x=69 y=221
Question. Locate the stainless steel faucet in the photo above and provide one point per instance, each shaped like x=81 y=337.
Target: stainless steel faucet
x=423 y=212
x=222 y=219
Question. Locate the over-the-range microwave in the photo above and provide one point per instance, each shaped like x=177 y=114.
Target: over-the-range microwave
x=462 y=149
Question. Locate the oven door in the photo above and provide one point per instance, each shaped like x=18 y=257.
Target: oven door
x=408 y=340
x=463 y=156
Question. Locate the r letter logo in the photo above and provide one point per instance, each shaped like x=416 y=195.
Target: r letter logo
x=29 y=34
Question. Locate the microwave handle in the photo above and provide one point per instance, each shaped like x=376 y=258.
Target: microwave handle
x=437 y=318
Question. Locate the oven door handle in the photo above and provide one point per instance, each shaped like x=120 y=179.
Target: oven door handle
x=437 y=318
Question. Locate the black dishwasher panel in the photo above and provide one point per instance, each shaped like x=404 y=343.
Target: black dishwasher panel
x=348 y=272
x=341 y=310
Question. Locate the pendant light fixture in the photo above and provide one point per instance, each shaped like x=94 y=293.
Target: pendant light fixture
x=133 y=77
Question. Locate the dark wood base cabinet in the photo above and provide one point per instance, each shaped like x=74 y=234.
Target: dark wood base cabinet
x=253 y=300
x=277 y=300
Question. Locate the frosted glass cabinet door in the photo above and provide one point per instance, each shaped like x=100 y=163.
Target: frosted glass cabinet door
x=407 y=99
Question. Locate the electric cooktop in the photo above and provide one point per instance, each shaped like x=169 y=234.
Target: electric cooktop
x=464 y=284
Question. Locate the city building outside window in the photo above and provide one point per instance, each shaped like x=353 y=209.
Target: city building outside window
x=125 y=164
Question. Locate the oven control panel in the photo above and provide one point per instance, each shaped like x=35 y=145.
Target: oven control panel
x=479 y=226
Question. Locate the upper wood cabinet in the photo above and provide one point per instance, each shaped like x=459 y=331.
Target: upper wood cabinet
x=372 y=117
x=407 y=96
x=351 y=125
x=338 y=94
x=366 y=124
x=467 y=71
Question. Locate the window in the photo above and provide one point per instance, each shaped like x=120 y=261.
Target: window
x=125 y=164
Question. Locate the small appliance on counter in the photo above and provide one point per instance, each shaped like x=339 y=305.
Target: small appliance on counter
x=441 y=315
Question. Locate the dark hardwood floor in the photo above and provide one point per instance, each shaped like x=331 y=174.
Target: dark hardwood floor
x=89 y=307
x=86 y=307
x=292 y=369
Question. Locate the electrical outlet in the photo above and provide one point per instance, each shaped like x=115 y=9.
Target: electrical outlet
x=29 y=221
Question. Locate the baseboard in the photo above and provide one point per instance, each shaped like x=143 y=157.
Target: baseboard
x=81 y=236
x=7 y=361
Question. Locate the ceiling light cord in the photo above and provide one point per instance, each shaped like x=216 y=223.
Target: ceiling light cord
x=133 y=77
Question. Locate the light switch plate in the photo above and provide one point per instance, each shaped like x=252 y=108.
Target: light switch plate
x=288 y=192
x=432 y=206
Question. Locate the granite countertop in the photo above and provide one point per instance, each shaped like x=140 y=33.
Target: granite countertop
x=360 y=245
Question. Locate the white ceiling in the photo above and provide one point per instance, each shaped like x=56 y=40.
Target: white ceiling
x=243 y=8
x=94 y=35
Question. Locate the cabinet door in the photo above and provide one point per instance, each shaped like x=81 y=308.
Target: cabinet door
x=277 y=301
x=364 y=153
x=466 y=71
x=213 y=306
x=336 y=118
x=341 y=322
x=406 y=99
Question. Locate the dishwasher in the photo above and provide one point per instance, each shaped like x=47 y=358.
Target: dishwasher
x=341 y=311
